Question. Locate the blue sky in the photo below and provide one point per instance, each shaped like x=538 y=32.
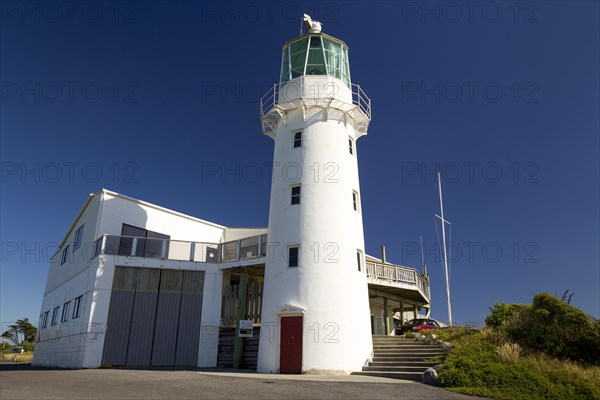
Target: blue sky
x=146 y=98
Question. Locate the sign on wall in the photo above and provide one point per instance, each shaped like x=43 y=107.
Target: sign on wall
x=246 y=328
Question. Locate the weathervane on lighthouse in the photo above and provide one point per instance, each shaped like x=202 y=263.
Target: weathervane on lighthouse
x=312 y=26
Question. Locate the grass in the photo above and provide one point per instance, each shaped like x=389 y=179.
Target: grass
x=474 y=366
x=16 y=357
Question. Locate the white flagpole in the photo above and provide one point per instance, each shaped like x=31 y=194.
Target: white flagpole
x=444 y=245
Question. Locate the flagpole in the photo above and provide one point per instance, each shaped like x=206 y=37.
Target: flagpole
x=445 y=254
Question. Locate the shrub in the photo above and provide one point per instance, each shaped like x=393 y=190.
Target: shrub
x=559 y=329
x=501 y=313
x=28 y=346
x=509 y=352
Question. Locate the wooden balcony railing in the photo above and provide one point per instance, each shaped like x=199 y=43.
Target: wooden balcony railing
x=393 y=273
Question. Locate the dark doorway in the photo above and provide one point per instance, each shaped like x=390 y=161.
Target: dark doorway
x=290 y=355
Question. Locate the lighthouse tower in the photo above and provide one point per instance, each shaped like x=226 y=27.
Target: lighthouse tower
x=315 y=313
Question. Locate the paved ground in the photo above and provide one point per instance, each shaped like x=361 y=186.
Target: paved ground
x=21 y=381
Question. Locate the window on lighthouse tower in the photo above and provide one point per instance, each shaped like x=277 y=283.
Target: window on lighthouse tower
x=297 y=142
x=292 y=256
x=296 y=194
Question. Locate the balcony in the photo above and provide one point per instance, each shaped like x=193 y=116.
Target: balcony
x=401 y=281
x=179 y=250
x=314 y=91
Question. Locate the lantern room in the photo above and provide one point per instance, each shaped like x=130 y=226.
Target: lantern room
x=315 y=54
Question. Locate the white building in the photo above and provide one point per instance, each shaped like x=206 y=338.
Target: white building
x=140 y=285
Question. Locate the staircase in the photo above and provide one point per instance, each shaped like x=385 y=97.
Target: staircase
x=399 y=358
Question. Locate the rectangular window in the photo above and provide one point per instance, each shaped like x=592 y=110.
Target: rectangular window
x=297 y=139
x=98 y=248
x=65 y=255
x=351 y=146
x=78 y=237
x=45 y=319
x=65 y=312
x=293 y=257
x=295 y=194
x=148 y=244
x=77 y=307
x=55 y=315
x=355 y=200
x=359 y=260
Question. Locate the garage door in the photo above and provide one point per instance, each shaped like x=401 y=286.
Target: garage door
x=154 y=317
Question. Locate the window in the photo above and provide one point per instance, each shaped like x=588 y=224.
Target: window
x=295 y=194
x=78 y=237
x=77 y=307
x=65 y=254
x=351 y=146
x=149 y=244
x=297 y=136
x=45 y=319
x=65 y=312
x=355 y=200
x=54 y=315
x=293 y=257
x=359 y=260
x=98 y=248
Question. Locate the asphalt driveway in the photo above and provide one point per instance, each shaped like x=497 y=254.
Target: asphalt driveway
x=21 y=381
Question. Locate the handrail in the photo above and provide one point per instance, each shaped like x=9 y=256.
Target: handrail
x=271 y=99
x=181 y=250
x=394 y=273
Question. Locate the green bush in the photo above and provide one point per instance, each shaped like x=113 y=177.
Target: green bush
x=554 y=327
x=28 y=346
x=474 y=367
x=501 y=313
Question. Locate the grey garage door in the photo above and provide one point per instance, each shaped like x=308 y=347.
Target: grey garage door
x=154 y=317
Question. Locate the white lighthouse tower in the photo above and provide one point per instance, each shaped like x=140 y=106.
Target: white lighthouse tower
x=315 y=315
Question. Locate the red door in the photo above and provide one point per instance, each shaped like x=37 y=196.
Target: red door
x=290 y=354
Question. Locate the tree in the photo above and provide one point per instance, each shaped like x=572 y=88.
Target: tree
x=11 y=334
x=27 y=329
x=22 y=327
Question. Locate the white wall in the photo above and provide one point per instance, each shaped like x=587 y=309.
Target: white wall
x=240 y=233
x=64 y=344
x=334 y=294
x=118 y=210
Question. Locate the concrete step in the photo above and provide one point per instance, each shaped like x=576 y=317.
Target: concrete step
x=395 y=368
x=403 y=363
x=420 y=356
x=403 y=345
x=411 y=376
x=410 y=348
x=397 y=359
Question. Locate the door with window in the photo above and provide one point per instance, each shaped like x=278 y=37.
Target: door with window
x=290 y=354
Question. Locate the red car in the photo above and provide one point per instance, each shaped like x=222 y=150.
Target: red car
x=417 y=325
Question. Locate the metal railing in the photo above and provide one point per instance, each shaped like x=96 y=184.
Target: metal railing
x=181 y=250
x=393 y=273
x=328 y=94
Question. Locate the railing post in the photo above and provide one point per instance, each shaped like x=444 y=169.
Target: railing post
x=163 y=249
x=133 y=247
x=238 y=249
x=103 y=245
x=192 y=251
